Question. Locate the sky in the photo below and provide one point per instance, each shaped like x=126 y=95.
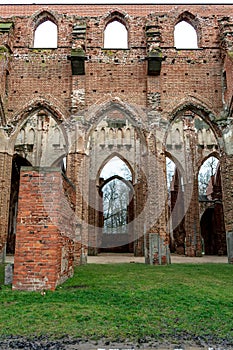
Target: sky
x=5 y=2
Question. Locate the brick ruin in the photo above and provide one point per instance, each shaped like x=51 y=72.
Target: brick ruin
x=66 y=111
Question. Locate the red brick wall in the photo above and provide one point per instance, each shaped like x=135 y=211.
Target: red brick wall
x=46 y=74
x=228 y=88
x=45 y=231
x=132 y=10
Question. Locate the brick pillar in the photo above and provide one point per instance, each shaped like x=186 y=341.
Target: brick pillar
x=94 y=238
x=177 y=215
x=157 y=238
x=164 y=257
x=192 y=220
x=99 y=217
x=227 y=190
x=134 y=246
x=137 y=206
x=82 y=199
x=5 y=183
x=191 y=203
x=45 y=231
x=77 y=171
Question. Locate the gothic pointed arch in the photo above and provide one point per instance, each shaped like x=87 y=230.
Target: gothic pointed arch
x=176 y=212
x=116 y=30
x=188 y=18
x=214 y=154
x=123 y=159
x=176 y=161
x=116 y=15
x=195 y=106
x=206 y=173
x=38 y=107
x=212 y=221
x=117 y=177
x=40 y=139
x=39 y=19
x=42 y=16
x=116 y=203
x=40 y=103
x=135 y=115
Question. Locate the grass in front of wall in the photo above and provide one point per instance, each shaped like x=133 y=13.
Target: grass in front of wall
x=130 y=301
x=2 y=268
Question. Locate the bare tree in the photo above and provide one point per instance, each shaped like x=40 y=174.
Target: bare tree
x=115 y=201
x=207 y=170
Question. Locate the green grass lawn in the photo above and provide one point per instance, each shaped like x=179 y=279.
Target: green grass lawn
x=127 y=301
x=2 y=267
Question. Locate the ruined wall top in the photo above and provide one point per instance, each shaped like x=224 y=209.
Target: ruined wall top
x=93 y=10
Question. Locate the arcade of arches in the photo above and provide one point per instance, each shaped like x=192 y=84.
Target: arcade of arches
x=121 y=149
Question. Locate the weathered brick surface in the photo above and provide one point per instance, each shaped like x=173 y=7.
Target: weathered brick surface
x=45 y=232
x=160 y=113
x=47 y=73
x=227 y=203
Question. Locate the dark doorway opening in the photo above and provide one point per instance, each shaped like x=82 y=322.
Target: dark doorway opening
x=17 y=162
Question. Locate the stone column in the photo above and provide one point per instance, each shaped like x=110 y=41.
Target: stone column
x=5 y=189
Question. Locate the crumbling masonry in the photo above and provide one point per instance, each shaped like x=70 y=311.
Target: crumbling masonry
x=66 y=111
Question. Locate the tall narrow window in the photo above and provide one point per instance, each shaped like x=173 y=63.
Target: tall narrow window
x=205 y=175
x=170 y=171
x=115 y=36
x=116 y=196
x=46 y=35
x=185 y=36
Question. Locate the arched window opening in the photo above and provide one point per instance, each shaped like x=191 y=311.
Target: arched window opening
x=175 y=208
x=45 y=35
x=116 y=194
x=64 y=164
x=170 y=171
x=185 y=36
x=116 y=166
x=213 y=232
x=206 y=177
x=115 y=36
